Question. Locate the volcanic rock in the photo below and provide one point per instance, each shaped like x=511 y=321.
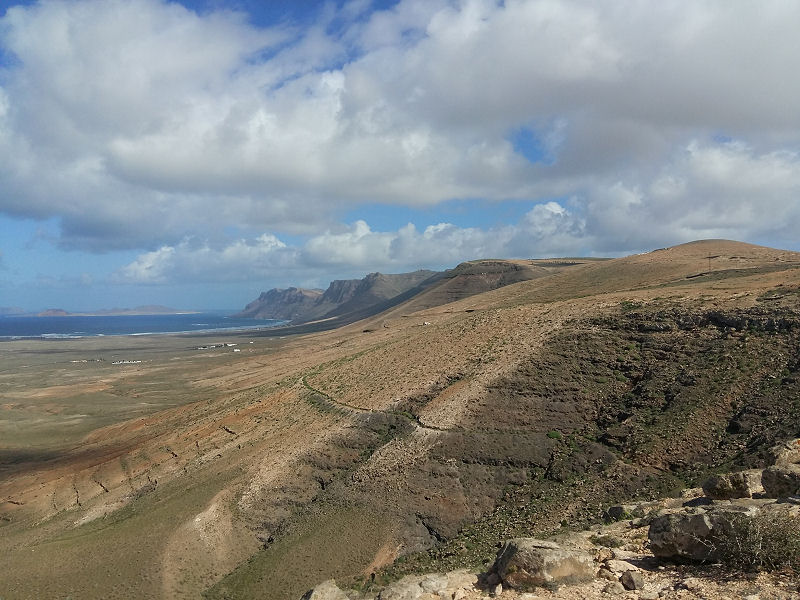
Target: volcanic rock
x=781 y=480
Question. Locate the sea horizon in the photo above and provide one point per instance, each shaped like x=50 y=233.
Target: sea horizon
x=13 y=327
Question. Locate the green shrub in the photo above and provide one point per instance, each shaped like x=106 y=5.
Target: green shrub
x=609 y=541
x=768 y=542
x=628 y=305
x=554 y=435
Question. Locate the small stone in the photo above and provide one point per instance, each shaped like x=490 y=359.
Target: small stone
x=619 y=566
x=614 y=587
x=648 y=595
x=607 y=574
x=460 y=594
x=632 y=580
x=603 y=554
x=691 y=583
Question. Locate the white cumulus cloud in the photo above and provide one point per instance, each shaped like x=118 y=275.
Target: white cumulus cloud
x=143 y=125
x=547 y=229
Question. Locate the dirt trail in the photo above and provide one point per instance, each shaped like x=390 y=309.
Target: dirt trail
x=331 y=402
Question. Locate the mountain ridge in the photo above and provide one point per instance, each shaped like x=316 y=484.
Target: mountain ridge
x=349 y=300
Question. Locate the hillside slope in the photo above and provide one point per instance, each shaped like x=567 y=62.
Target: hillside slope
x=420 y=437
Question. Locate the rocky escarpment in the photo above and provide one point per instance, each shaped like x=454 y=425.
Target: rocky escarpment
x=343 y=296
x=282 y=304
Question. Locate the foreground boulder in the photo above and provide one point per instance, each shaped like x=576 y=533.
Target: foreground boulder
x=781 y=480
x=327 y=590
x=733 y=485
x=692 y=534
x=786 y=453
x=440 y=585
x=524 y=563
x=717 y=532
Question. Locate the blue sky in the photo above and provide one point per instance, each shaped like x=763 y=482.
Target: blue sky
x=195 y=154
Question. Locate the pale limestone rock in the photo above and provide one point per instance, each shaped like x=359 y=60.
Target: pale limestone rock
x=742 y=484
x=786 y=453
x=327 y=590
x=526 y=562
x=619 y=566
x=433 y=585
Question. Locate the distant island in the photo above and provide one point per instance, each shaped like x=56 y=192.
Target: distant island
x=150 y=309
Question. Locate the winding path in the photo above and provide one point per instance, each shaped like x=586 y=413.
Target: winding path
x=333 y=403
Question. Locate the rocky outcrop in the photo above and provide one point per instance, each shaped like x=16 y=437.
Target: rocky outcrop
x=679 y=533
x=452 y=585
x=701 y=533
x=524 y=563
x=782 y=480
x=743 y=484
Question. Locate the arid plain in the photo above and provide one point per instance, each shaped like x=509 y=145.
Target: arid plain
x=414 y=439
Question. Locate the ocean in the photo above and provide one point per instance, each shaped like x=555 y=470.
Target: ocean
x=72 y=327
